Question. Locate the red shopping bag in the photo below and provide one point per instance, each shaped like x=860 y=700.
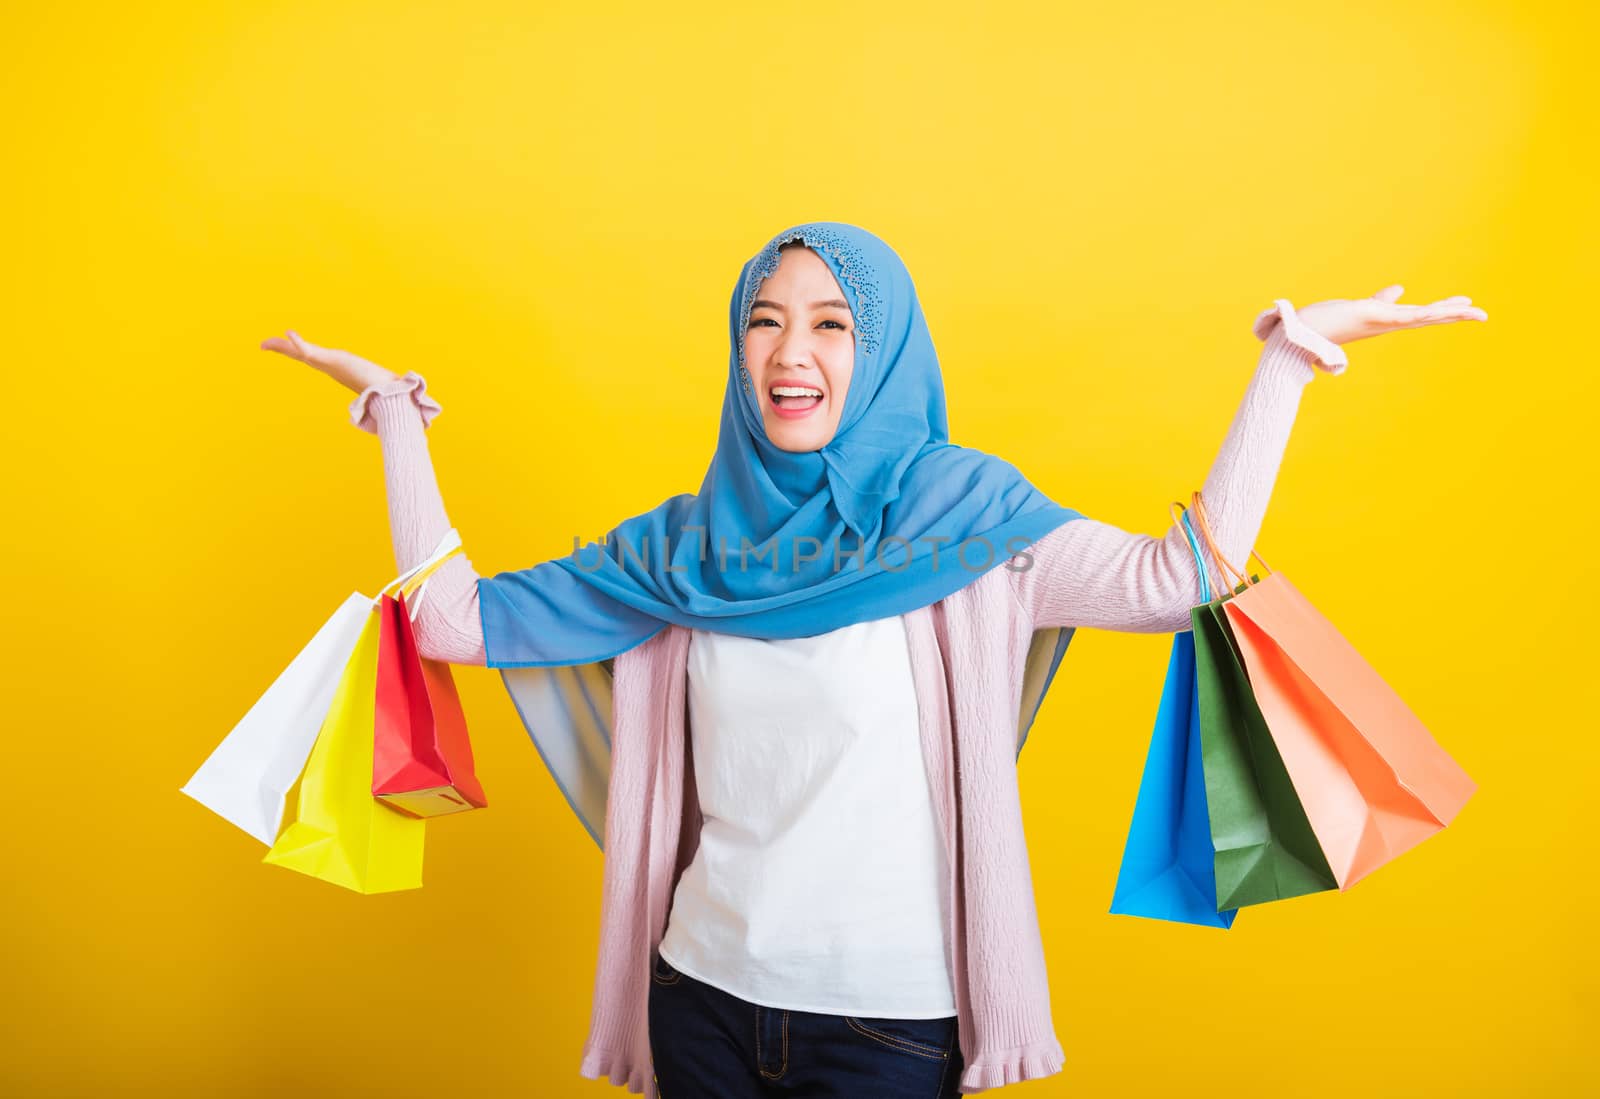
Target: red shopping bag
x=421 y=755
x=1373 y=781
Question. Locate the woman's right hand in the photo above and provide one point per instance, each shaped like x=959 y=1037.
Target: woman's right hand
x=1345 y=319
x=348 y=369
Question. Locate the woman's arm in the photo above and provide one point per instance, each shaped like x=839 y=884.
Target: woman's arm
x=1090 y=573
x=447 y=623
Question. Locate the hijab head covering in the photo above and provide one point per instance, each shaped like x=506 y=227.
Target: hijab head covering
x=887 y=517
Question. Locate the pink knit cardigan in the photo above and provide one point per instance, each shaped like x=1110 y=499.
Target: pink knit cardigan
x=968 y=653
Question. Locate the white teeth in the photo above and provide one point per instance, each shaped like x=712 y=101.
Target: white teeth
x=795 y=391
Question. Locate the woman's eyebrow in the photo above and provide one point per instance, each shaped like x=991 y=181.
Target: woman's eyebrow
x=838 y=302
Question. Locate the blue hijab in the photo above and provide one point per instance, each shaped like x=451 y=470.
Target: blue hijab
x=887 y=517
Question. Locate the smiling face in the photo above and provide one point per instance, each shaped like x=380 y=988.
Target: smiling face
x=800 y=350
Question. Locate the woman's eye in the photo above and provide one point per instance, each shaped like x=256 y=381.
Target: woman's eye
x=756 y=322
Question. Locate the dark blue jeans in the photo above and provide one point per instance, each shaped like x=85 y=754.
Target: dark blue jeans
x=710 y=1044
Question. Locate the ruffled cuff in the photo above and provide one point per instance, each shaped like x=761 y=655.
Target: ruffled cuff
x=410 y=382
x=614 y=1067
x=1328 y=355
x=1033 y=1061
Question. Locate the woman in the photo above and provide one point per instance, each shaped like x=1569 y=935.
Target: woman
x=826 y=888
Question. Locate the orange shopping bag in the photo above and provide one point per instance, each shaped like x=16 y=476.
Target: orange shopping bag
x=1373 y=781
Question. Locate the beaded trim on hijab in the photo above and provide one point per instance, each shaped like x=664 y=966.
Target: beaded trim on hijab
x=853 y=267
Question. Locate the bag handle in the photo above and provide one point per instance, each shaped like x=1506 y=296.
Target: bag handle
x=1227 y=566
x=414 y=592
x=1181 y=517
x=415 y=579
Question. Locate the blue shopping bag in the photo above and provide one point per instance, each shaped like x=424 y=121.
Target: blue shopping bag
x=1168 y=864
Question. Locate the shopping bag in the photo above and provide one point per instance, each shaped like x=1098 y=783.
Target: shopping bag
x=1266 y=849
x=422 y=757
x=1373 y=781
x=246 y=777
x=1168 y=867
x=339 y=832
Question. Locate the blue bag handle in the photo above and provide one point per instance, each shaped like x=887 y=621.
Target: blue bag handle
x=1194 y=546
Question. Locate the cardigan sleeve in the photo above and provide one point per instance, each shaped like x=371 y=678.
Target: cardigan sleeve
x=398 y=411
x=1090 y=573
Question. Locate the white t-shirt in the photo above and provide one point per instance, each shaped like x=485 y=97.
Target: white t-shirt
x=819 y=882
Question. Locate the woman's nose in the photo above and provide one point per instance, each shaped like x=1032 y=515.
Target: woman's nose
x=794 y=348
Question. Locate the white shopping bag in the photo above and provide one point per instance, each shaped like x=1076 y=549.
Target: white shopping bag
x=247 y=778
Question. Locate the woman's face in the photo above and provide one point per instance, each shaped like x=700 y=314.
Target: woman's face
x=801 y=338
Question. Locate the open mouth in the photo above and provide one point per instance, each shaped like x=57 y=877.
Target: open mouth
x=794 y=401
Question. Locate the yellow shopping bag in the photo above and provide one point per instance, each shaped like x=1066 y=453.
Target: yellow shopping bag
x=339 y=832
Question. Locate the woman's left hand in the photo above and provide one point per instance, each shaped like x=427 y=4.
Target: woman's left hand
x=1344 y=319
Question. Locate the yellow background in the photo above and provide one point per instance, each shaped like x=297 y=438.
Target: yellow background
x=544 y=212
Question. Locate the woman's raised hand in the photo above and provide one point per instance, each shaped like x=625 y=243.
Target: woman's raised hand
x=1344 y=319
x=344 y=367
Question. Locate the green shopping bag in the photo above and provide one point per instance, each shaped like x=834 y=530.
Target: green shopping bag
x=1265 y=848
